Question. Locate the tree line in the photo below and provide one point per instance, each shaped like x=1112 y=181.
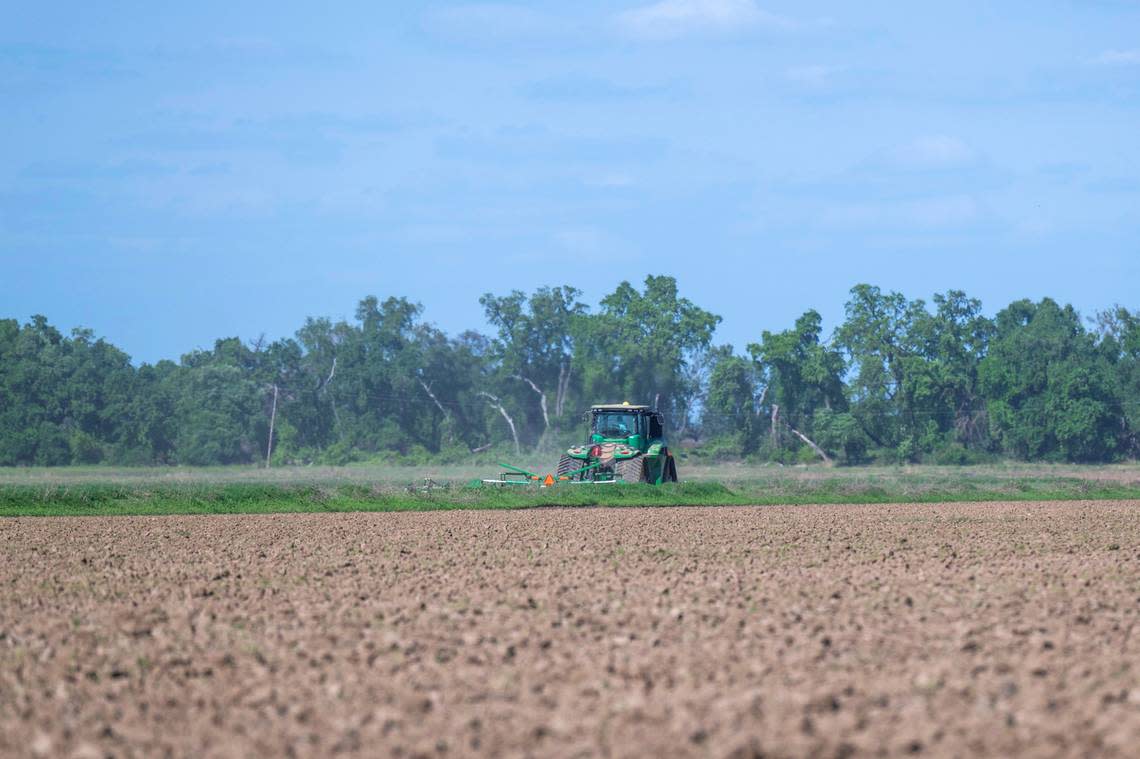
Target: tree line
x=898 y=381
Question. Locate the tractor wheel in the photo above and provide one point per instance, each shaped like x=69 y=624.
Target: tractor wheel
x=566 y=464
x=631 y=470
x=670 y=470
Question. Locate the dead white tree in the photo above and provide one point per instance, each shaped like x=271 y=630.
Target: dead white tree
x=448 y=430
x=332 y=401
x=776 y=421
x=563 y=389
x=819 y=451
x=272 y=421
x=775 y=425
x=541 y=400
x=495 y=403
x=430 y=394
x=328 y=379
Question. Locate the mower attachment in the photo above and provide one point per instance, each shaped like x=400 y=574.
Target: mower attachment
x=516 y=476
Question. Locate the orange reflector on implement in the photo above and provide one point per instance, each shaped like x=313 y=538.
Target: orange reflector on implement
x=548 y=481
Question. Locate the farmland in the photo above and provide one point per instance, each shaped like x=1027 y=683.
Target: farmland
x=825 y=630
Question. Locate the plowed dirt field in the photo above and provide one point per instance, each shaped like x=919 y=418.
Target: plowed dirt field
x=1000 y=628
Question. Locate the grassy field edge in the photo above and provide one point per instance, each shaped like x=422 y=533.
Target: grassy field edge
x=105 y=499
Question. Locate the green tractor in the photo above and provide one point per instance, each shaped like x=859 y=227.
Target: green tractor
x=626 y=444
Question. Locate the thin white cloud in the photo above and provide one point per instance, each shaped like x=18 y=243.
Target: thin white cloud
x=952 y=211
x=588 y=243
x=494 y=22
x=670 y=19
x=813 y=76
x=611 y=180
x=1118 y=58
x=930 y=152
x=945 y=212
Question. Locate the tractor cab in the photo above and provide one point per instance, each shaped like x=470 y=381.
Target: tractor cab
x=635 y=426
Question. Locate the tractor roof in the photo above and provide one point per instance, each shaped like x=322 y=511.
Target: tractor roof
x=617 y=407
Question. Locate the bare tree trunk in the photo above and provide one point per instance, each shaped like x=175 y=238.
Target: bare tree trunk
x=541 y=401
x=563 y=387
x=272 y=421
x=760 y=403
x=819 y=451
x=510 y=422
x=430 y=394
x=656 y=400
x=332 y=401
x=328 y=379
x=775 y=426
x=446 y=414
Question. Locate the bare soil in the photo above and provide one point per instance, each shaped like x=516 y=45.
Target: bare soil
x=999 y=628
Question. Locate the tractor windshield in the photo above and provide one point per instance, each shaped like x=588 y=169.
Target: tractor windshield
x=616 y=424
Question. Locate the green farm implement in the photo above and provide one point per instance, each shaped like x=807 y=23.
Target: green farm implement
x=625 y=444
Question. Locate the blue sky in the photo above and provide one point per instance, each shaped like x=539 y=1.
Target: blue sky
x=173 y=173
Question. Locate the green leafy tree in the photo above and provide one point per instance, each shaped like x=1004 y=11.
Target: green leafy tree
x=149 y=428
x=876 y=337
x=1119 y=331
x=942 y=379
x=533 y=351
x=381 y=404
x=802 y=375
x=914 y=389
x=730 y=408
x=218 y=406
x=64 y=399
x=32 y=407
x=1051 y=392
x=640 y=347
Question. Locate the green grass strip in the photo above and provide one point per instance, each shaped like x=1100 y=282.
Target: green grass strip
x=102 y=499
